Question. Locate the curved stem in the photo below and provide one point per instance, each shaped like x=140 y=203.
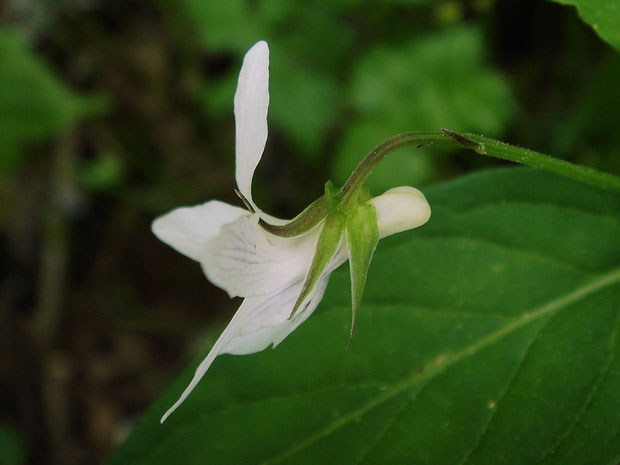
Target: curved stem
x=483 y=146
x=370 y=161
x=302 y=223
x=480 y=144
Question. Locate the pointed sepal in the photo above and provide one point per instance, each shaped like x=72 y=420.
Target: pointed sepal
x=326 y=247
x=362 y=233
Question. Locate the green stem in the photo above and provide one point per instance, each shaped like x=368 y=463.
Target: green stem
x=587 y=175
x=302 y=223
x=483 y=146
x=370 y=161
x=479 y=144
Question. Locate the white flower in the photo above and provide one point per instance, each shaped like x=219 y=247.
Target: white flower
x=270 y=272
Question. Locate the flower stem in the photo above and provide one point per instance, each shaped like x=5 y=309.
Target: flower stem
x=482 y=146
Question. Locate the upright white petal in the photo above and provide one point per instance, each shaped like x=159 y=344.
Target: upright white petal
x=400 y=209
x=251 y=104
x=188 y=229
x=247 y=261
x=259 y=322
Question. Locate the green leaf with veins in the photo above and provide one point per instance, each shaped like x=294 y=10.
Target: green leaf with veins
x=488 y=336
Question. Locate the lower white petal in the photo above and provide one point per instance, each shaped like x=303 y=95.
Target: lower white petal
x=400 y=209
x=188 y=229
x=259 y=322
x=274 y=325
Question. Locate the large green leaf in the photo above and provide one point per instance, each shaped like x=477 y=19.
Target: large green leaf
x=602 y=15
x=488 y=336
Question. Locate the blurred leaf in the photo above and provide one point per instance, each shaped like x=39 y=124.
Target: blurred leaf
x=304 y=103
x=588 y=127
x=305 y=93
x=405 y=2
x=223 y=26
x=11 y=451
x=33 y=103
x=602 y=15
x=103 y=173
x=438 y=81
x=489 y=336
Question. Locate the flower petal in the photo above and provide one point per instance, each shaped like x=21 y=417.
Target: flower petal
x=400 y=209
x=259 y=322
x=272 y=325
x=247 y=261
x=251 y=104
x=188 y=229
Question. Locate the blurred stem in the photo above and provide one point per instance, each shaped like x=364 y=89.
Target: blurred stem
x=54 y=243
x=482 y=146
x=47 y=318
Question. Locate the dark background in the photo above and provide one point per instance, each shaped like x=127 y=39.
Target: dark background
x=114 y=112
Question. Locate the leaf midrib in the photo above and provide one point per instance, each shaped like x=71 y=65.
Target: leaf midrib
x=444 y=362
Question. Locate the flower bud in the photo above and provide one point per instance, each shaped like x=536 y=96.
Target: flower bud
x=400 y=209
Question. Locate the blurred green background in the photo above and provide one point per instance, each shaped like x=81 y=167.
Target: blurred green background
x=113 y=112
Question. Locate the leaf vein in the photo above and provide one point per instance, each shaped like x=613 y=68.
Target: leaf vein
x=613 y=339
x=443 y=363
x=517 y=370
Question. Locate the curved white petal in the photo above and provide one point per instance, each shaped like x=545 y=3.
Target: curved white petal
x=251 y=104
x=247 y=261
x=259 y=322
x=269 y=323
x=188 y=229
x=400 y=209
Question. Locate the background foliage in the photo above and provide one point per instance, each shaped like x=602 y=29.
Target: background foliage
x=113 y=112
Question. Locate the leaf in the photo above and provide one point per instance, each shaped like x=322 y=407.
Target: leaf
x=104 y=173
x=587 y=126
x=438 y=81
x=305 y=102
x=228 y=26
x=602 y=15
x=488 y=336
x=33 y=103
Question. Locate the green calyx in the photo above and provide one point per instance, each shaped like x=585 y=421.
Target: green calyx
x=326 y=248
x=318 y=210
x=328 y=242
x=356 y=219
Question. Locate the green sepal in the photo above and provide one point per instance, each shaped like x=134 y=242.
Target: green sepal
x=326 y=247
x=362 y=232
